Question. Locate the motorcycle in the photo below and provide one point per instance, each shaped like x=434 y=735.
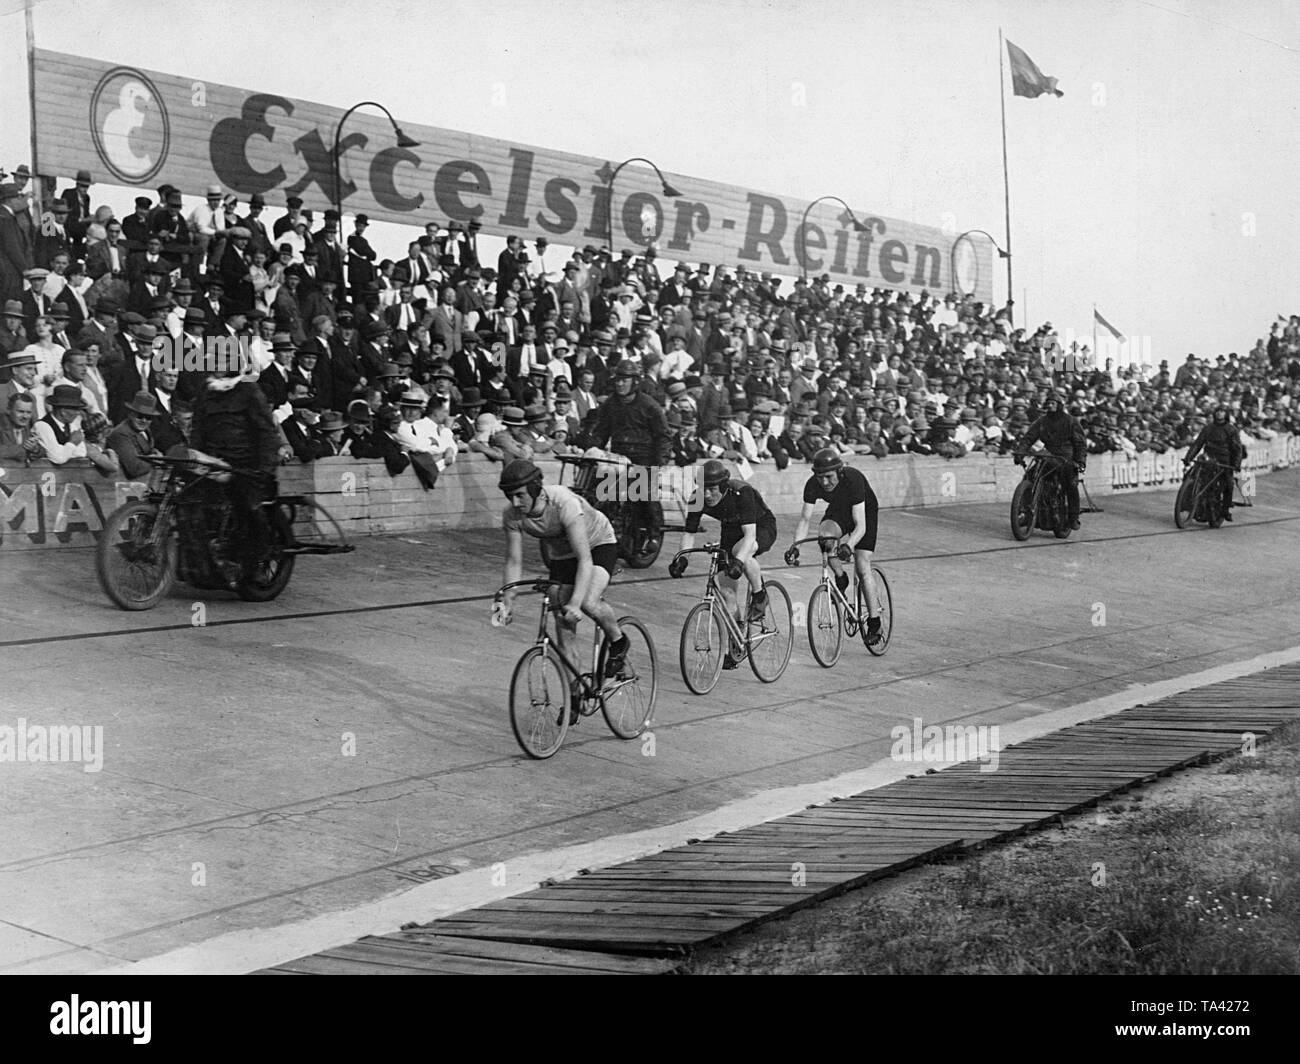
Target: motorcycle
x=591 y=479
x=186 y=528
x=1039 y=500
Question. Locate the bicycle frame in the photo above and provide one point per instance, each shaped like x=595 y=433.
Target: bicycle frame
x=1209 y=476
x=550 y=643
x=832 y=588
x=713 y=594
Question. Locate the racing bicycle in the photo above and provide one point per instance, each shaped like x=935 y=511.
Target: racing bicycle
x=831 y=615
x=546 y=688
x=710 y=629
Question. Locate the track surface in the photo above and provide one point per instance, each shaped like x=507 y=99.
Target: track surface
x=230 y=797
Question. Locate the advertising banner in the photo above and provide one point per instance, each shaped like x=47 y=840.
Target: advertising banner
x=137 y=127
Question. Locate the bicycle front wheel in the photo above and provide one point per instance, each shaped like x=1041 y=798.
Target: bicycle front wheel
x=771 y=642
x=825 y=634
x=136 y=555
x=1184 y=502
x=1022 y=511
x=539 y=703
x=628 y=699
x=886 y=613
x=266 y=577
x=703 y=646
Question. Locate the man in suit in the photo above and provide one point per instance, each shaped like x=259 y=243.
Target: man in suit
x=102 y=327
x=509 y=266
x=35 y=302
x=135 y=372
x=151 y=256
x=361 y=258
x=583 y=396
x=13 y=335
x=149 y=287
x=259 y=237
x=330 y=251
x=132 y=438
x=53 y=236
x=414 y=270
x=79 y=214
x=135 y=227
x=171 y=225
x=109 y=257
x=448 y=323
x=274 y=380
x=286 y=222
x=235 y=268
x=16 y=251
x=403 y=315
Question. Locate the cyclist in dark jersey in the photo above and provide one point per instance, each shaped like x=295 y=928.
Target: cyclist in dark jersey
x=748 y=530
x=850 y=520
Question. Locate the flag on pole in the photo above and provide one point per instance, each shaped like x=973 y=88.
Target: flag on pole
x=1107 y=325
x=1026 y=78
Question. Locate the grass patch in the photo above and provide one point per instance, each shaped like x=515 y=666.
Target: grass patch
x=1199 y=875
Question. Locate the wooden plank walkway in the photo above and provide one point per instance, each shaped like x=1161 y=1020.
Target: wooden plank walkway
x=642 y=917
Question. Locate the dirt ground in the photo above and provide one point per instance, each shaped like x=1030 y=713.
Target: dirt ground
x=1194 y=874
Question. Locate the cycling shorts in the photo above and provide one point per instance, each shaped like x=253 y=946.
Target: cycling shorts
x=765 y=532
x=565 y=570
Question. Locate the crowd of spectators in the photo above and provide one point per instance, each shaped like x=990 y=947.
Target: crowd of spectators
x=418 y=359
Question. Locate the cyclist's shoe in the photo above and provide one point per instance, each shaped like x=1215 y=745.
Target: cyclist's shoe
x=758 y=607
x=842 y=582
x=616 y=662
x=729 y=661
x=874 y=635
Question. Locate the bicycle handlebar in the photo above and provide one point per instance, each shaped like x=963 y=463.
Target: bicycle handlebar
x=217 y=465
x=1208 y=461
x=1040 y=455
x=538 y=585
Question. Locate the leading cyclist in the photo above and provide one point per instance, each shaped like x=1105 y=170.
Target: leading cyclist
x=1222 y=443
x=851 y=517
x=748 y=530
x=578 y=546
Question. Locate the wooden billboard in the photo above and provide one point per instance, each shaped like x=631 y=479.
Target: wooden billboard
x=138 y=127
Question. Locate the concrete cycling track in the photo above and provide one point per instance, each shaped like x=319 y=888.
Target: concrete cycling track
x=228 y=806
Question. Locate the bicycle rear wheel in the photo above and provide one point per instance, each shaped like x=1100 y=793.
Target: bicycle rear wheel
x=539 y=703
x=886 y=613
x=628 y=700
x=825 y=633
x=136 y=556
x=702 y=648
x=770 y=646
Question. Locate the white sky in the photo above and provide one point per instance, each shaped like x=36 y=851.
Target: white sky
x=1159 y=187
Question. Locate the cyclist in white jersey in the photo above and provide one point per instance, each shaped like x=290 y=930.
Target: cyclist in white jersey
x=579 y=547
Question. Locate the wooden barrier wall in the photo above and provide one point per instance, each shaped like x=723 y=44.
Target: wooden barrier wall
x=45 y=507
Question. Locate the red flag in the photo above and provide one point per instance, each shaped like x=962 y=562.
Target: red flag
x=1026 y=78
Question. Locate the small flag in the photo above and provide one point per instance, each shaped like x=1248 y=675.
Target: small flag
x=1107 y=325
x=1026 y=78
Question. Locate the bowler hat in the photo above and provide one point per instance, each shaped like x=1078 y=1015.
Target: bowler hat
x=471 y=399
x=83 y=177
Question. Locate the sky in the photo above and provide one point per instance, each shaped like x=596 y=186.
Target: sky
x=1159 y=188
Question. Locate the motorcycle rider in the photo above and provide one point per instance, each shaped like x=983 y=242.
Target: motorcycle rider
x=1221 y=441
x=232 y=422
x=1063 y=437
x=632 y=424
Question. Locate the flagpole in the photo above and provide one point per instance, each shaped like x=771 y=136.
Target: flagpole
x=31 y=97
x=1094 y=333
x=1006 y=183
